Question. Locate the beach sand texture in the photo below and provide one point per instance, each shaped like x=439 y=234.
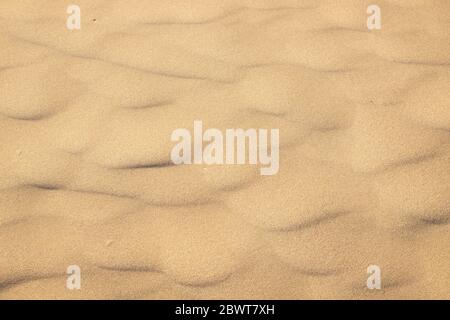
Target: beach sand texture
x=86 y=118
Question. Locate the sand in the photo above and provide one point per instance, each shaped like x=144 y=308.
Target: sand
x=86 y=118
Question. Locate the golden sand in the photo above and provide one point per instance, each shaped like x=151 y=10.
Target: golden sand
x=86 y=118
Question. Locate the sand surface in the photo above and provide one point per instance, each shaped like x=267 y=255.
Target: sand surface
x=85 y=123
